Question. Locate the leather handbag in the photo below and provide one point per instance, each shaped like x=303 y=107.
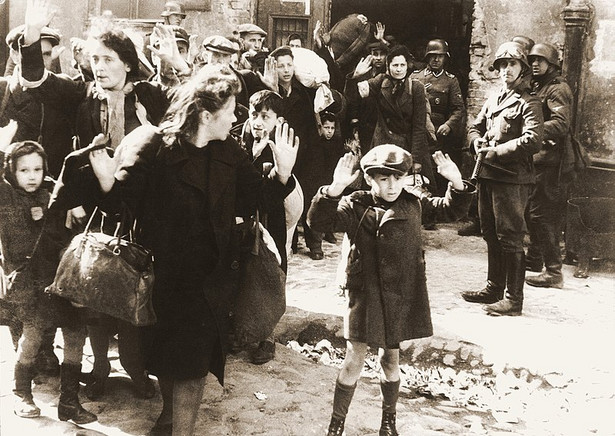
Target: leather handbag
x=261 y=299
x=110 y=274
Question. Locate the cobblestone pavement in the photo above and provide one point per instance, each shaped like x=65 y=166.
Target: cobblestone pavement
x=548 y=372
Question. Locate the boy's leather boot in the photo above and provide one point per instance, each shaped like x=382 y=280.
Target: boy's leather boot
x=24 y=404
x=69 y=407
x=390 y=394
x=336 y=427
x=512 y=304
x=496 y=279
x=387 y=426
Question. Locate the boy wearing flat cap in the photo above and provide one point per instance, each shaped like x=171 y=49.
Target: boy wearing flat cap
x=385 y=271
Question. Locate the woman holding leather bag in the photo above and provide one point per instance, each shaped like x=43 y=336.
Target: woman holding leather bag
x=115 y=103
x=185 y=182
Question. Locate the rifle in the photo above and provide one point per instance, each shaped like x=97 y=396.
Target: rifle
x=478 y=165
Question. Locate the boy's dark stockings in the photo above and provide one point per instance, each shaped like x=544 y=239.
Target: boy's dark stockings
x=341 y=401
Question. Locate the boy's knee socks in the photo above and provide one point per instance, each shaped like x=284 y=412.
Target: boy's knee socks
x=342 y=399
x=390 y=393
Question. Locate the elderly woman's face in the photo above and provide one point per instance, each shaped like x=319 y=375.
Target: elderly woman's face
x=221 y=121
x=108 y=69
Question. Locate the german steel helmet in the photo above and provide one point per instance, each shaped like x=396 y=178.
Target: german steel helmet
x=511 y=50
x=437 y=46
x=173 y=8
x=546 y=51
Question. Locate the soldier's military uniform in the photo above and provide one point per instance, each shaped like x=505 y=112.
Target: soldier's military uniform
x=447 y=107
x=511 y=121
x=554 y=172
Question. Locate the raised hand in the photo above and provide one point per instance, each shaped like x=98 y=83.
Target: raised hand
x=38 y=15
x=104 y=166
x=318 y=33
x=344 y=174
x=270 y=77
x=194 y=48
x=166 y=47
x=379 y=33
x=284 y=151
x=363 y=67
x=6 y=135
x=448 y=169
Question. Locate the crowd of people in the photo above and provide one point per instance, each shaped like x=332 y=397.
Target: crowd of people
x=190 y=137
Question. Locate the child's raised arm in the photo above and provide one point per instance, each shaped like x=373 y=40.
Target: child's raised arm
x=448 y=169
x=343 y=175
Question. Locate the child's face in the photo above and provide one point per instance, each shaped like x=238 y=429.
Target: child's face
x=386 y=186
x=29 y=172
x=285 y=67
x=262 y=122
x=328 y=129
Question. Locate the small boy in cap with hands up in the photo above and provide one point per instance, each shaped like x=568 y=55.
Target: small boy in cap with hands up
x=385 y=271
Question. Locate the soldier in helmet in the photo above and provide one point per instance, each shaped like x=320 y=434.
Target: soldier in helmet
x=554 y=173
x=173 y=13
x=505 y=134
x=447 y=108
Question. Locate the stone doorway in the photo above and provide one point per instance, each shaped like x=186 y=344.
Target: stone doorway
x=414 y=22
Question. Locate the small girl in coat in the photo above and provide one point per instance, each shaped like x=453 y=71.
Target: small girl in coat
x=385 y=273
x=29 y=246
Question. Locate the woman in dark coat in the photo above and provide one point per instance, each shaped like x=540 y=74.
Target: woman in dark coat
x=186 y=182
x=401 y=109
x=115 y=103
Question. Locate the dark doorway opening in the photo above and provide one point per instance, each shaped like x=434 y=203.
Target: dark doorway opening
x=415 y=22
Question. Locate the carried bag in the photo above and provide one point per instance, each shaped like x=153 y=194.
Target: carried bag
x=261 y=299
x=108 y=274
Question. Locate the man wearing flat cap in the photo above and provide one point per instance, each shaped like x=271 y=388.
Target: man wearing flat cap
x=36 y=122
x=251 y=37
x=358 y=109
x=219 y=50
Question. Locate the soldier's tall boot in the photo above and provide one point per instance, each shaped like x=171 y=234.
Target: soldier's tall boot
x=496 y=279
x=512 y=304
x=551 y=276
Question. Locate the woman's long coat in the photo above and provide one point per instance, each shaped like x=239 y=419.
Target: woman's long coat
x=401 y=118
x=187 y=226
x=385 y=273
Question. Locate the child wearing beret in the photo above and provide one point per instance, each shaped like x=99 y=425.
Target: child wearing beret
x=385 y=271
